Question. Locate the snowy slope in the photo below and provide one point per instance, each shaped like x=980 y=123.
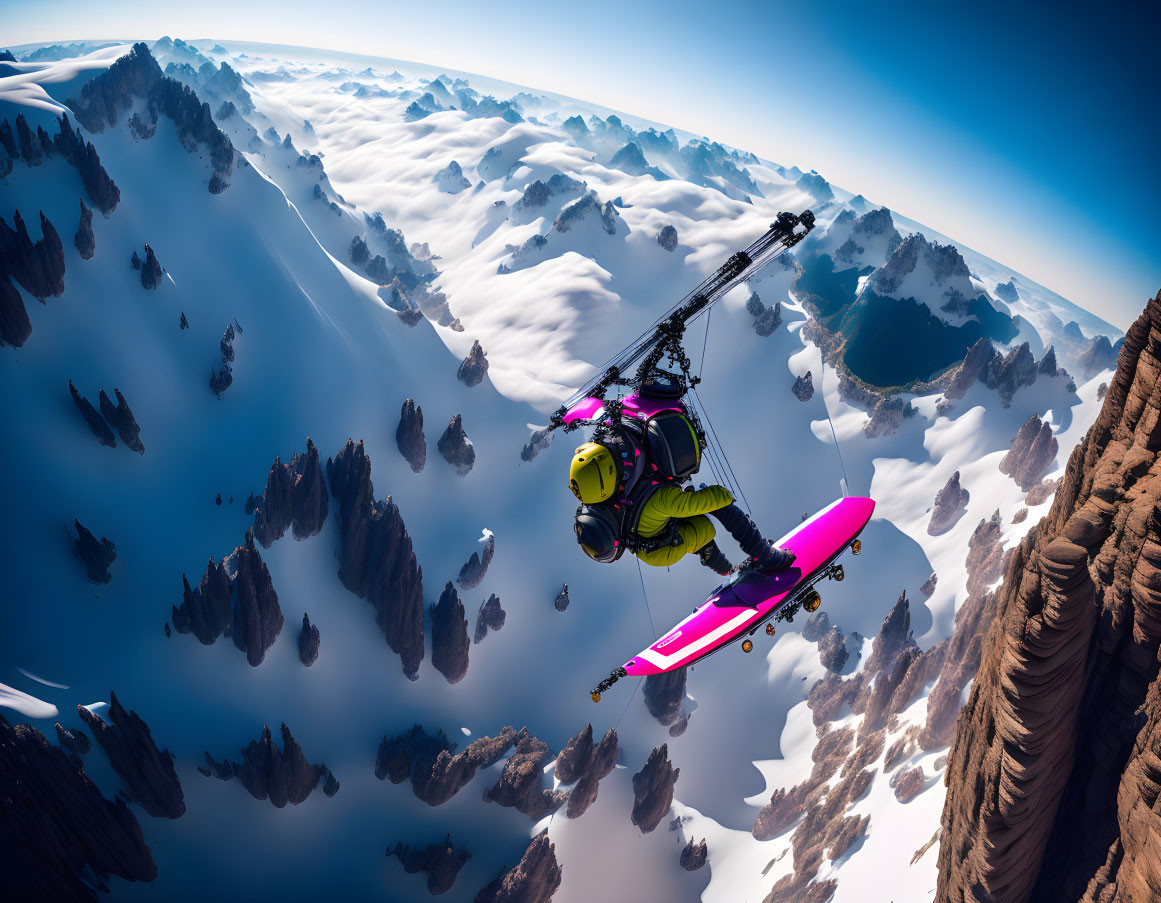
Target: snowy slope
x=323 y=355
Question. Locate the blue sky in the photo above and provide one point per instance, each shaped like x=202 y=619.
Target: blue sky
x=1026 y=131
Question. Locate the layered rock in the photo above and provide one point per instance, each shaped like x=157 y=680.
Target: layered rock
x=122 y=419
x=653 y=789
x=491 y=617
x=436 y=771
x=583 y=764
x=1054 y=770
x=474 y=367
x=409 y=435
x=146 y=771
x=534 y=879
x=473 y=571
x=308 y=642
x=84 y=240
x=376 y=558
x=96 y=555
x=520 y=785
x=279 y=775
x=803 y=387
x=295 y=496
x=62 y=838
x=442 y=863
x=1032 y=453
x=38 y=268
x=449 y=636
x=950 y=505
x=456 y=447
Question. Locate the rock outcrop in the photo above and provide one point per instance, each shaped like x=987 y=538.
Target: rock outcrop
x=583 y=764
x=409 y=435
x=664 y=695
x=667 y=238
x=534 y=879
x=1097 y=356
x=816 y=626
x=279 y=775
x=1006 y=373
x=61 y=836
x=521 y=785
x=75 y=742
x=151 y=270
x=1032 y=453
x=474 y=367
x=950 y=505
x=206 y=612
x=83 y=156
x=537 y=442
x=376 y=559
x=222 y=378
x=491 y=617
x=441 y=861
x=803 y=387
x=121 y=418
x=146 y=771
x=693 y=856
x=38 y=268
x=473 y=571
x=832 y=649
x=456 y=447
x=15 y=327
x=84 y=241
x=449 y=636
x=560 y=603
x=96 y=555
x=295 y=496
x=436 y=771
x=1053 y=775
x=308 y=642
x=653 y=789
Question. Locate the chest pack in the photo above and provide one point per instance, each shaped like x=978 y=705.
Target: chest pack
x=650 y=454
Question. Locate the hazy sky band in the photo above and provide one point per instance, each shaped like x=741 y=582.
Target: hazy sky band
x=1026 y=131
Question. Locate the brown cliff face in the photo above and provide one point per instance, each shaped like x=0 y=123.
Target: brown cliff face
x=1054 y=774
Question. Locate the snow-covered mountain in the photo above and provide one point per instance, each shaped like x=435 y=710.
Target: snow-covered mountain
x=320 y=241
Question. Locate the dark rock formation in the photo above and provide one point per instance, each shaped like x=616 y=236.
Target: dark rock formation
x=84 y=240
x=39 y=267
x=135 y=261
x=588 y=207
x=96 y=423
x=950 y=505
x=442 y=862
x=206 y=612
x=803 y=387
x=664 y=694
x=928 y=588
x=1041 y=492
x=280 y=775
x=136 y=76
x=62 y=839
x=1098 y=355
x=534 y=879
x=295 y=495
x=308 y=642
x=449 y=636
x=257 y=619
x=583 y=765
x=560 y=603
x=537 y=442
x=221 y=379
x=1006 y=373
x=376 y=559
x=146 y=771
x=436 y=774
x=491 y=617
x=456 y=447
x=473 y=367
x=887 y=416
x=183 y=323
x=816 y=626
x=693 y=857
x=15 y=327
x=653 y=789
x=832 y=649
x=95 y=555
x=82 y=155
x=151 y=270
x=121 y=418
x=908 y=784
x=667 y=238
x=1032 y=453
x=473 y=571
x=1053 y=775
x=76 y=742
x=520 y=785
x=409 y=435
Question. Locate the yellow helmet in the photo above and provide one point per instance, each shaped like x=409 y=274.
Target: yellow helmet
x=593 y=474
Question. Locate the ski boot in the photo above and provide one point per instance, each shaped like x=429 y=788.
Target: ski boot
x=711 y=556
x=764 y=555
x=775 y=559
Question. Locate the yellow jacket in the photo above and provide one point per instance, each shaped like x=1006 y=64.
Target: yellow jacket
x=689 y=508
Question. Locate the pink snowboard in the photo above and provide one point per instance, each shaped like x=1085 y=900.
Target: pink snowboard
x=748 y=600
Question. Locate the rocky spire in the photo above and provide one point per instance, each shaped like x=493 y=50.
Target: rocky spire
x=473 y=571
x=449 y=636
x=490 y=617
x=295 y=495
x=95 y=555
x=653 y=789
x=436 y=771
x=456 y=447
x=15 y=327
x=257 y=617
x=441 y=861
x=39 y=267
x=308 y=642
x=97 y=424
x=121 y=417
x=84 y=240
x=151 y=270
x=950 y=505
x=534 y=879
x=1032 y=453
x=583 y=764
x=280 y=775
x=474 y=367
x=521 y=785
x=1064 y=717
x=409 y=435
